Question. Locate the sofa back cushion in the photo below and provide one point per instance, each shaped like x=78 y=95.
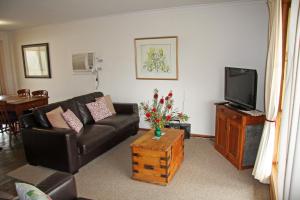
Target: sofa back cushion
x=72 y=120
x=84 y=112
x=108 y=103
x=56 y=119
x=40 y=113
x=99 y=109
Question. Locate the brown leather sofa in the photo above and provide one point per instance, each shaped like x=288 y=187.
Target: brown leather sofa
x=63 y=149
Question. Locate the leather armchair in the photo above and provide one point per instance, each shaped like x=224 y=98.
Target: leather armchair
x=60 y=186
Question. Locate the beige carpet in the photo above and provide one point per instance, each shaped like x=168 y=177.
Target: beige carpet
x=204 y=174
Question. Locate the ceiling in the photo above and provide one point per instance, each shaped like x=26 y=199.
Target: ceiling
x=17 y=14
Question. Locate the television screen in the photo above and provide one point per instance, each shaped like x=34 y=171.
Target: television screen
x=240 y=87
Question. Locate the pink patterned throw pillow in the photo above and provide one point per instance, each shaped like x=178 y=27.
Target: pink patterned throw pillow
x=99 y=109
x=72 y=120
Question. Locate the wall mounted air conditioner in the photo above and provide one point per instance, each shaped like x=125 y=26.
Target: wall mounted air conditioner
x=83 y=62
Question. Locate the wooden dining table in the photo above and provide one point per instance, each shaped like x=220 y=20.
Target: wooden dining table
x=19 y=104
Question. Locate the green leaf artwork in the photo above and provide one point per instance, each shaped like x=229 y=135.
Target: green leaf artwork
x=156 y=60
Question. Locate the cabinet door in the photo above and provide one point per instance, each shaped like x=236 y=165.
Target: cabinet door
x=233 y=141
x=221 y=133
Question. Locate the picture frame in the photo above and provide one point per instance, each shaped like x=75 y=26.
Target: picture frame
x=36 y=60
x=156 y=58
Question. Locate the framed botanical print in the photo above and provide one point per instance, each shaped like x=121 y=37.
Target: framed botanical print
x=156 y=58
x=36 y=60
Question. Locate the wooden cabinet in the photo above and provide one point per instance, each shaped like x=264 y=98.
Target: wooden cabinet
x=238 y=135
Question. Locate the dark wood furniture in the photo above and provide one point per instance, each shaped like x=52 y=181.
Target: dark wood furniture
x=238 y=135
x=156 y=161
x=12 y=107
x=19 y=104
x=8 y=121
x=40 y=93
x=23 y=93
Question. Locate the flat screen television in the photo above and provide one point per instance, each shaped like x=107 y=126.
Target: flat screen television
x=241 y=87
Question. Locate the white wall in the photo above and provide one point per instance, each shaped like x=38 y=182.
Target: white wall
x=210 y=37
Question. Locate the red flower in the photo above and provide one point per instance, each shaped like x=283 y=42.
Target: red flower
x=168 y=118
x=167 y=98
x=157 y=120
x=148 y=115
x=155 y=96
x=169 y=106
x=161 y=101
x=153 y=109
x=170 y=94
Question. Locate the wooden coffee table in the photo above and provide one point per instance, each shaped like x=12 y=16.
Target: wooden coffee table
x=156 y=161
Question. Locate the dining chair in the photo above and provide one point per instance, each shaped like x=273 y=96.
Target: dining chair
x=40 y=93
x=8 y=121
x=23 y=93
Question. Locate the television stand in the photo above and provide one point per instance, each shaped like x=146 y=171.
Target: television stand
x=238 y=135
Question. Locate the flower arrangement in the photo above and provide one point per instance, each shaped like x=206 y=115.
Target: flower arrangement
x=161 y=111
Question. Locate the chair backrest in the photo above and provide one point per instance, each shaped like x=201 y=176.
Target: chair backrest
x=23 y=93
x=4 y=117
x=40 y=93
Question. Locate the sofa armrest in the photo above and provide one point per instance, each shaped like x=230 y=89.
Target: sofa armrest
x=126 y=108
x=54 y=148
x=59 y=186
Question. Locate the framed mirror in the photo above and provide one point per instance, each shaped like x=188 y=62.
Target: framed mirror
x=36 y=60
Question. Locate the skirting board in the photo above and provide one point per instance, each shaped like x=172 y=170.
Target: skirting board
x=192 y=134
x=202 y=135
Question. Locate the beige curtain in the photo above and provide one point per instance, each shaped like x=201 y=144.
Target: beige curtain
x=263 y=165
x=289 y=147
x=2 y=78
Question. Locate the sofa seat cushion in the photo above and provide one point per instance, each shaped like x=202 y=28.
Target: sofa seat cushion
x=119 y=121
x=92 y=136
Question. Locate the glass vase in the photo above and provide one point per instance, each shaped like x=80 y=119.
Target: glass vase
x=157 y=132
